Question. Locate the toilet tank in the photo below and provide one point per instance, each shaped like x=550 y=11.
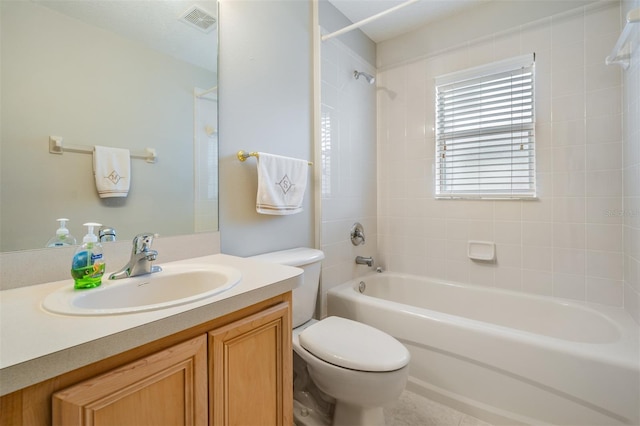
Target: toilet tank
x=305 y=295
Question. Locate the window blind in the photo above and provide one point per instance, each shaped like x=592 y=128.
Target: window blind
x=485 y=135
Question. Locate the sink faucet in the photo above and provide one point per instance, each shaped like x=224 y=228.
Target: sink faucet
x=364 y=260
x=141 y=259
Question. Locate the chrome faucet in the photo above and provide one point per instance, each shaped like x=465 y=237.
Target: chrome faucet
x=141 y=261
x=364 y=260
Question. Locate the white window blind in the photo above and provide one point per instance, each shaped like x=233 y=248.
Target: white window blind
x=485 y=131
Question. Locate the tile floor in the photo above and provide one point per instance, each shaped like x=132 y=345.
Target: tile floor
x=414 y=410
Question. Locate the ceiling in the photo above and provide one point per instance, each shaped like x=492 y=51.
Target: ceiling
x=154 y=23
x=403 y=20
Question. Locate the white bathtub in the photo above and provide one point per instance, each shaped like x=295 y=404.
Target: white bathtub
x=506 y=357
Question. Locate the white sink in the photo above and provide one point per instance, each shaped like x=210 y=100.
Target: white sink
x=174 y=285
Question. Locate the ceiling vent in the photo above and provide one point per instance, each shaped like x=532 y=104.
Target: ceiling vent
x=198 y=18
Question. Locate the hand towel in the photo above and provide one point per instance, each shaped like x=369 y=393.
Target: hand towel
x=112 y=171
x=282 y=182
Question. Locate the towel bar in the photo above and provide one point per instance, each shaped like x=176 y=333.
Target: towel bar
x=57 y=147
x=243 y=155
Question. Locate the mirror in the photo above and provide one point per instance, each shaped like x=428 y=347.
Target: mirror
x=124 y=74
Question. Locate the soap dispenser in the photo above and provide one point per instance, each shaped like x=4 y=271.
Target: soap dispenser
x=88 y=265
x=62 y=237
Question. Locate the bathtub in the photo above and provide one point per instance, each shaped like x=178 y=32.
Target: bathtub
x=504 y=357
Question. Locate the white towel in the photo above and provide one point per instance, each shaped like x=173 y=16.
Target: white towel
x=281 y=184
x=112 y=170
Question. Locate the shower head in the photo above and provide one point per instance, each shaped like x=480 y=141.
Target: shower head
x=370 y=79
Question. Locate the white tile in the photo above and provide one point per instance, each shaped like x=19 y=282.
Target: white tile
x=457 y=271
x=603 y=102
x=537 y=210
x=506 y=46
x=632 y=303
x=569 y=286
x=602 y=20
x=509 y=255
x=604 y=183
x=567 y=184
x=604 y=129
x=603 y=264
x=508 y=210
x=604 y=157
x=566 y=243
x=569 y=261
x=457 y=250
x=482 y=230
x=569 y=158
x=537 y=258
x=537 y=234
x=601 y=76
x=508 y=232
x=482 y=273
x=509 y=278
x=570 y=132
x=536 y=37
x=567 y=29
x=572 y=107
x=604 y=291
x=569 y=209
x=568 y=79
x=569 y=235
x=457 y=229
x=604 y=210
x=537 y=282
x=604 y=237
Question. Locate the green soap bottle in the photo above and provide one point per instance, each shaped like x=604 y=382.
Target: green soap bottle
x=87 y=267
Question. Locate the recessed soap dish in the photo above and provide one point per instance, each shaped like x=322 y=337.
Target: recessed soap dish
x=481 y=250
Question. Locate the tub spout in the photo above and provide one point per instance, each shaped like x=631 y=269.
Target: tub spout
x=360 y=260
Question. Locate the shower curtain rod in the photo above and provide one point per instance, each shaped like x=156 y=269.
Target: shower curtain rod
x=206 y=92
x=620 y=53
x=366 y=20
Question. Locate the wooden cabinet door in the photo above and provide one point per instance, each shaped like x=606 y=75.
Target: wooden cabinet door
x=166 y=388
x=250 y=366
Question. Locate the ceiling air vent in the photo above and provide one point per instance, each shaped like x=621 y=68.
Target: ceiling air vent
x=198 y=18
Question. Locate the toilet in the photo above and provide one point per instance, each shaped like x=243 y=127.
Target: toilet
x=359 y=366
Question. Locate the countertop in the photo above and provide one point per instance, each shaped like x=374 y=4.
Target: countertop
x=36 y=345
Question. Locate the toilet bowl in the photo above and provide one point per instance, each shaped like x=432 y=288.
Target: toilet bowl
x=365 y=373
x=359 y=366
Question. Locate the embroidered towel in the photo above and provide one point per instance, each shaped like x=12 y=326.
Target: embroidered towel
x=281 y=184
x=112 y=171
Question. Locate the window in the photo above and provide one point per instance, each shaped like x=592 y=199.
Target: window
x=485 y=131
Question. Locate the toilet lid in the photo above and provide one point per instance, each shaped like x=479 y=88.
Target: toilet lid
x=354 y=345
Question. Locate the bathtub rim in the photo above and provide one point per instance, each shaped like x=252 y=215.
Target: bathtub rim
x=615 y=364
x=625 y=352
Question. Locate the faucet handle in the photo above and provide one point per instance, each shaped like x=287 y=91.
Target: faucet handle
x=142 y=242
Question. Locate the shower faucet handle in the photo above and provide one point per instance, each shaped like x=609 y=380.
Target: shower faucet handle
x=357 y=234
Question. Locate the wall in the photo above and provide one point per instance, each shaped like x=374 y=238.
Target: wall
x=631 y=163
x=348 y=145
x=569 y=242
x=265 y=105
x=91 y=87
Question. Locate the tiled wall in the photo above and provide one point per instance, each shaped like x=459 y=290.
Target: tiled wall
x=631 y=163
x=569 y=242
x=349 y=163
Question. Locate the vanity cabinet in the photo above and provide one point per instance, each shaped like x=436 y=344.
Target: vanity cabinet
x=168 y=387
x=236 y=369
x=250 y=364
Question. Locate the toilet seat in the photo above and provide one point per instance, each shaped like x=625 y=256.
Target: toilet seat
x=357 y=346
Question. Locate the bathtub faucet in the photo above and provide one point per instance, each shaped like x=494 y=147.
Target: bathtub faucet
x=364 y=260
